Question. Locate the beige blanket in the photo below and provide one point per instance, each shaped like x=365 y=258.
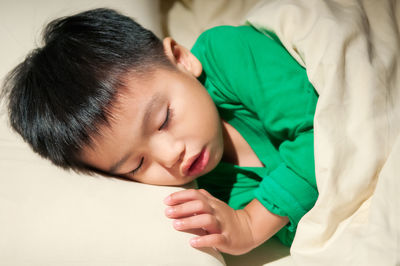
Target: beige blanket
x=351 y=52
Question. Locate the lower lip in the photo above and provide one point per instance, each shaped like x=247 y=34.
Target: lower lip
x=200 y=164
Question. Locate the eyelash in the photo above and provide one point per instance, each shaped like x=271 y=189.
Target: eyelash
x=163 y=126
x=167 y=119
x=138 y=168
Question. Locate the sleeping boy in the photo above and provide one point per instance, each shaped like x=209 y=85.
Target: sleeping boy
x=235 y=113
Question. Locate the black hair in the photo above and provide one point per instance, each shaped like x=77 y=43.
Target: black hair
x=63 y=92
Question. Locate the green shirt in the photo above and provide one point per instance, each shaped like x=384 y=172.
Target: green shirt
x=266 y=96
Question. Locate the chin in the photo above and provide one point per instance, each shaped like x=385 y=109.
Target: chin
x=177 y=182
x=187 y=180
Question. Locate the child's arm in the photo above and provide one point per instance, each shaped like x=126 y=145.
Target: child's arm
x=230 y=231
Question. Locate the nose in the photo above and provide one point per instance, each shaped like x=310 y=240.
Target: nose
x=167 y=151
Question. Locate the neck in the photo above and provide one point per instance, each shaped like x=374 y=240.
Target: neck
x=230 y=151
x=236 y=149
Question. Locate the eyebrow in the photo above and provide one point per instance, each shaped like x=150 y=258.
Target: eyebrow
x=151 y=104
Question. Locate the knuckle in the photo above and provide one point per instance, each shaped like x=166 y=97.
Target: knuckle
x=220 y=240
x=200 y=205
x=192 y=192
x=209 y=219
x=203 y=191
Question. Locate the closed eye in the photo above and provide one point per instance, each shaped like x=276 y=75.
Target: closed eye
x=167 y=119
x=133 y=172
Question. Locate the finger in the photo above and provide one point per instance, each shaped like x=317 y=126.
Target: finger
x=197 y=231
x=207 y=222
x=205 y=193
x=212 y=240
x=190 y=208
x=183 y=196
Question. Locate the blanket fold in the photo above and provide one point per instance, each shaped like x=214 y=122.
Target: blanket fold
x=351 y=52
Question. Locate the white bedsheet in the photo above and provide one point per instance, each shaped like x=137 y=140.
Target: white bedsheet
x=351 y=52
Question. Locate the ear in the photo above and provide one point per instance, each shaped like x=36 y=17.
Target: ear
x=182 y=57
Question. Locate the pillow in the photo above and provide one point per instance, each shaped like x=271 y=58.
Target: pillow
x=187 y=19
x=49 y=216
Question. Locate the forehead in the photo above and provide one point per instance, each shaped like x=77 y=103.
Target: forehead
x=135 y=94
x=134 y=104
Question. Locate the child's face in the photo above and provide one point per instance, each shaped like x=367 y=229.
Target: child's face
x=160 y=126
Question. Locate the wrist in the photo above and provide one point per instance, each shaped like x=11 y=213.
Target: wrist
x=262 y=223
x=246 y=219
x=248 y=240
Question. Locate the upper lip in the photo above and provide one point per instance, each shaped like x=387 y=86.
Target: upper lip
x=189 y=162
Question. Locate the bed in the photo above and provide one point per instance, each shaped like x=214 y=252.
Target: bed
x=351 y=52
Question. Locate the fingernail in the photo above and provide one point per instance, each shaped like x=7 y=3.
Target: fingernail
x=194 y=241
x=178 y=224
x=169 y=211
x=167 y=199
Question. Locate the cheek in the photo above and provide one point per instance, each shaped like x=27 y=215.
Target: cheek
x=155 y=175
x=199 y=112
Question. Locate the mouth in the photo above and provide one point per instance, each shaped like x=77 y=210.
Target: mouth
x=197 y=163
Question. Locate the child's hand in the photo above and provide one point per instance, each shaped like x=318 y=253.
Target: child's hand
x=226 y=229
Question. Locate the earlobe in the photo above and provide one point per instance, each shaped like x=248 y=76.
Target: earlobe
x=182 y=57
x=195 y=67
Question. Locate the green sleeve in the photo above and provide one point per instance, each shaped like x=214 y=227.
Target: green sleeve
x=254 y=70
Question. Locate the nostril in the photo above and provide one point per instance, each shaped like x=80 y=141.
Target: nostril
x=178 y=161
x=173 y=163
x=181 y=156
